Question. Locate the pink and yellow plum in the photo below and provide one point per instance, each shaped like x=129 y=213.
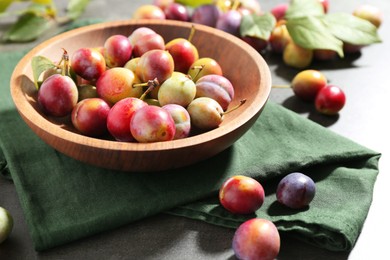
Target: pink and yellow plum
x=139 y=33
x=152 y=124
x=279 y=38
x=118 y=83
x=216 y=87
x=149 y=12
x=58 y=95
x=155 y=64
x=256 y=238
x=204 y=66
x=117 y=50
x=241 y=195
x=119 y=117
x=206 y=113
x=183 y=52
x=296 y=56
x=369 y=13
x=148 y=42
x=163 y=3
x=307 y=83
x=88 y=63
x=89 y=116
x=182 y=120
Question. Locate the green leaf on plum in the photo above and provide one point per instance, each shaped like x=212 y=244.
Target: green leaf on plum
x=259 y=26
x=351 y=29
x=303 y=8
x=75 y=8
x=39 y=65
x=29 y=27
x=311 y=32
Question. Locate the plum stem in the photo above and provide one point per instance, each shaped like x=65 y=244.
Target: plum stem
x=191 y=33
x=199 y=68
x=151 y=85
x=242 y=102
x=65 y=58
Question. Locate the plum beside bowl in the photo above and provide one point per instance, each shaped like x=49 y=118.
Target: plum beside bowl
x=241 y=64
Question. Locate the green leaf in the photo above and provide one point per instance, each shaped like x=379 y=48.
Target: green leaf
x=4 y=4
x=28 y=28
x=76 y=8
x=310 y=32
x=301 y=8
x=259 y=26
x=352 y=29
x=39 y=65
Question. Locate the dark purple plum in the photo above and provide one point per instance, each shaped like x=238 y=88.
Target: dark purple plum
x=206 y=15
x=296 y=190
x=230 y=22
x=177 y=12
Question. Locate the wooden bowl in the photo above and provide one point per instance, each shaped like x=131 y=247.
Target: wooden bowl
x=241 y=64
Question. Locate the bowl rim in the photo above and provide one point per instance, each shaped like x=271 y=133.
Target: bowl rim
x=31 y=116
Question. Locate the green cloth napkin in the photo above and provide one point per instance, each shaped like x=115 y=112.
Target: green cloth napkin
x=64 y=200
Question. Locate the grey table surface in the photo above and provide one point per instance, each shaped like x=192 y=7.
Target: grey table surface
x=364 y=119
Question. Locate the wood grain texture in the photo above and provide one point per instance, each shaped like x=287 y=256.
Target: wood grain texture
x=241 y=64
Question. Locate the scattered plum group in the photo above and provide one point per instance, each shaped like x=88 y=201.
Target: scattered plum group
x=258 y=238
x=138 y=88
x=312 y=86
x=229 y=16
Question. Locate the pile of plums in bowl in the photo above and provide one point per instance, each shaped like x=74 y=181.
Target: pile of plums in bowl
x=85 y=59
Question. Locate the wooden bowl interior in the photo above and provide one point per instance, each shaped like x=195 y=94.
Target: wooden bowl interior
x=241 y=64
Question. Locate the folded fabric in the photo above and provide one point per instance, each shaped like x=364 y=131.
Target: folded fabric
x=64 y=199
